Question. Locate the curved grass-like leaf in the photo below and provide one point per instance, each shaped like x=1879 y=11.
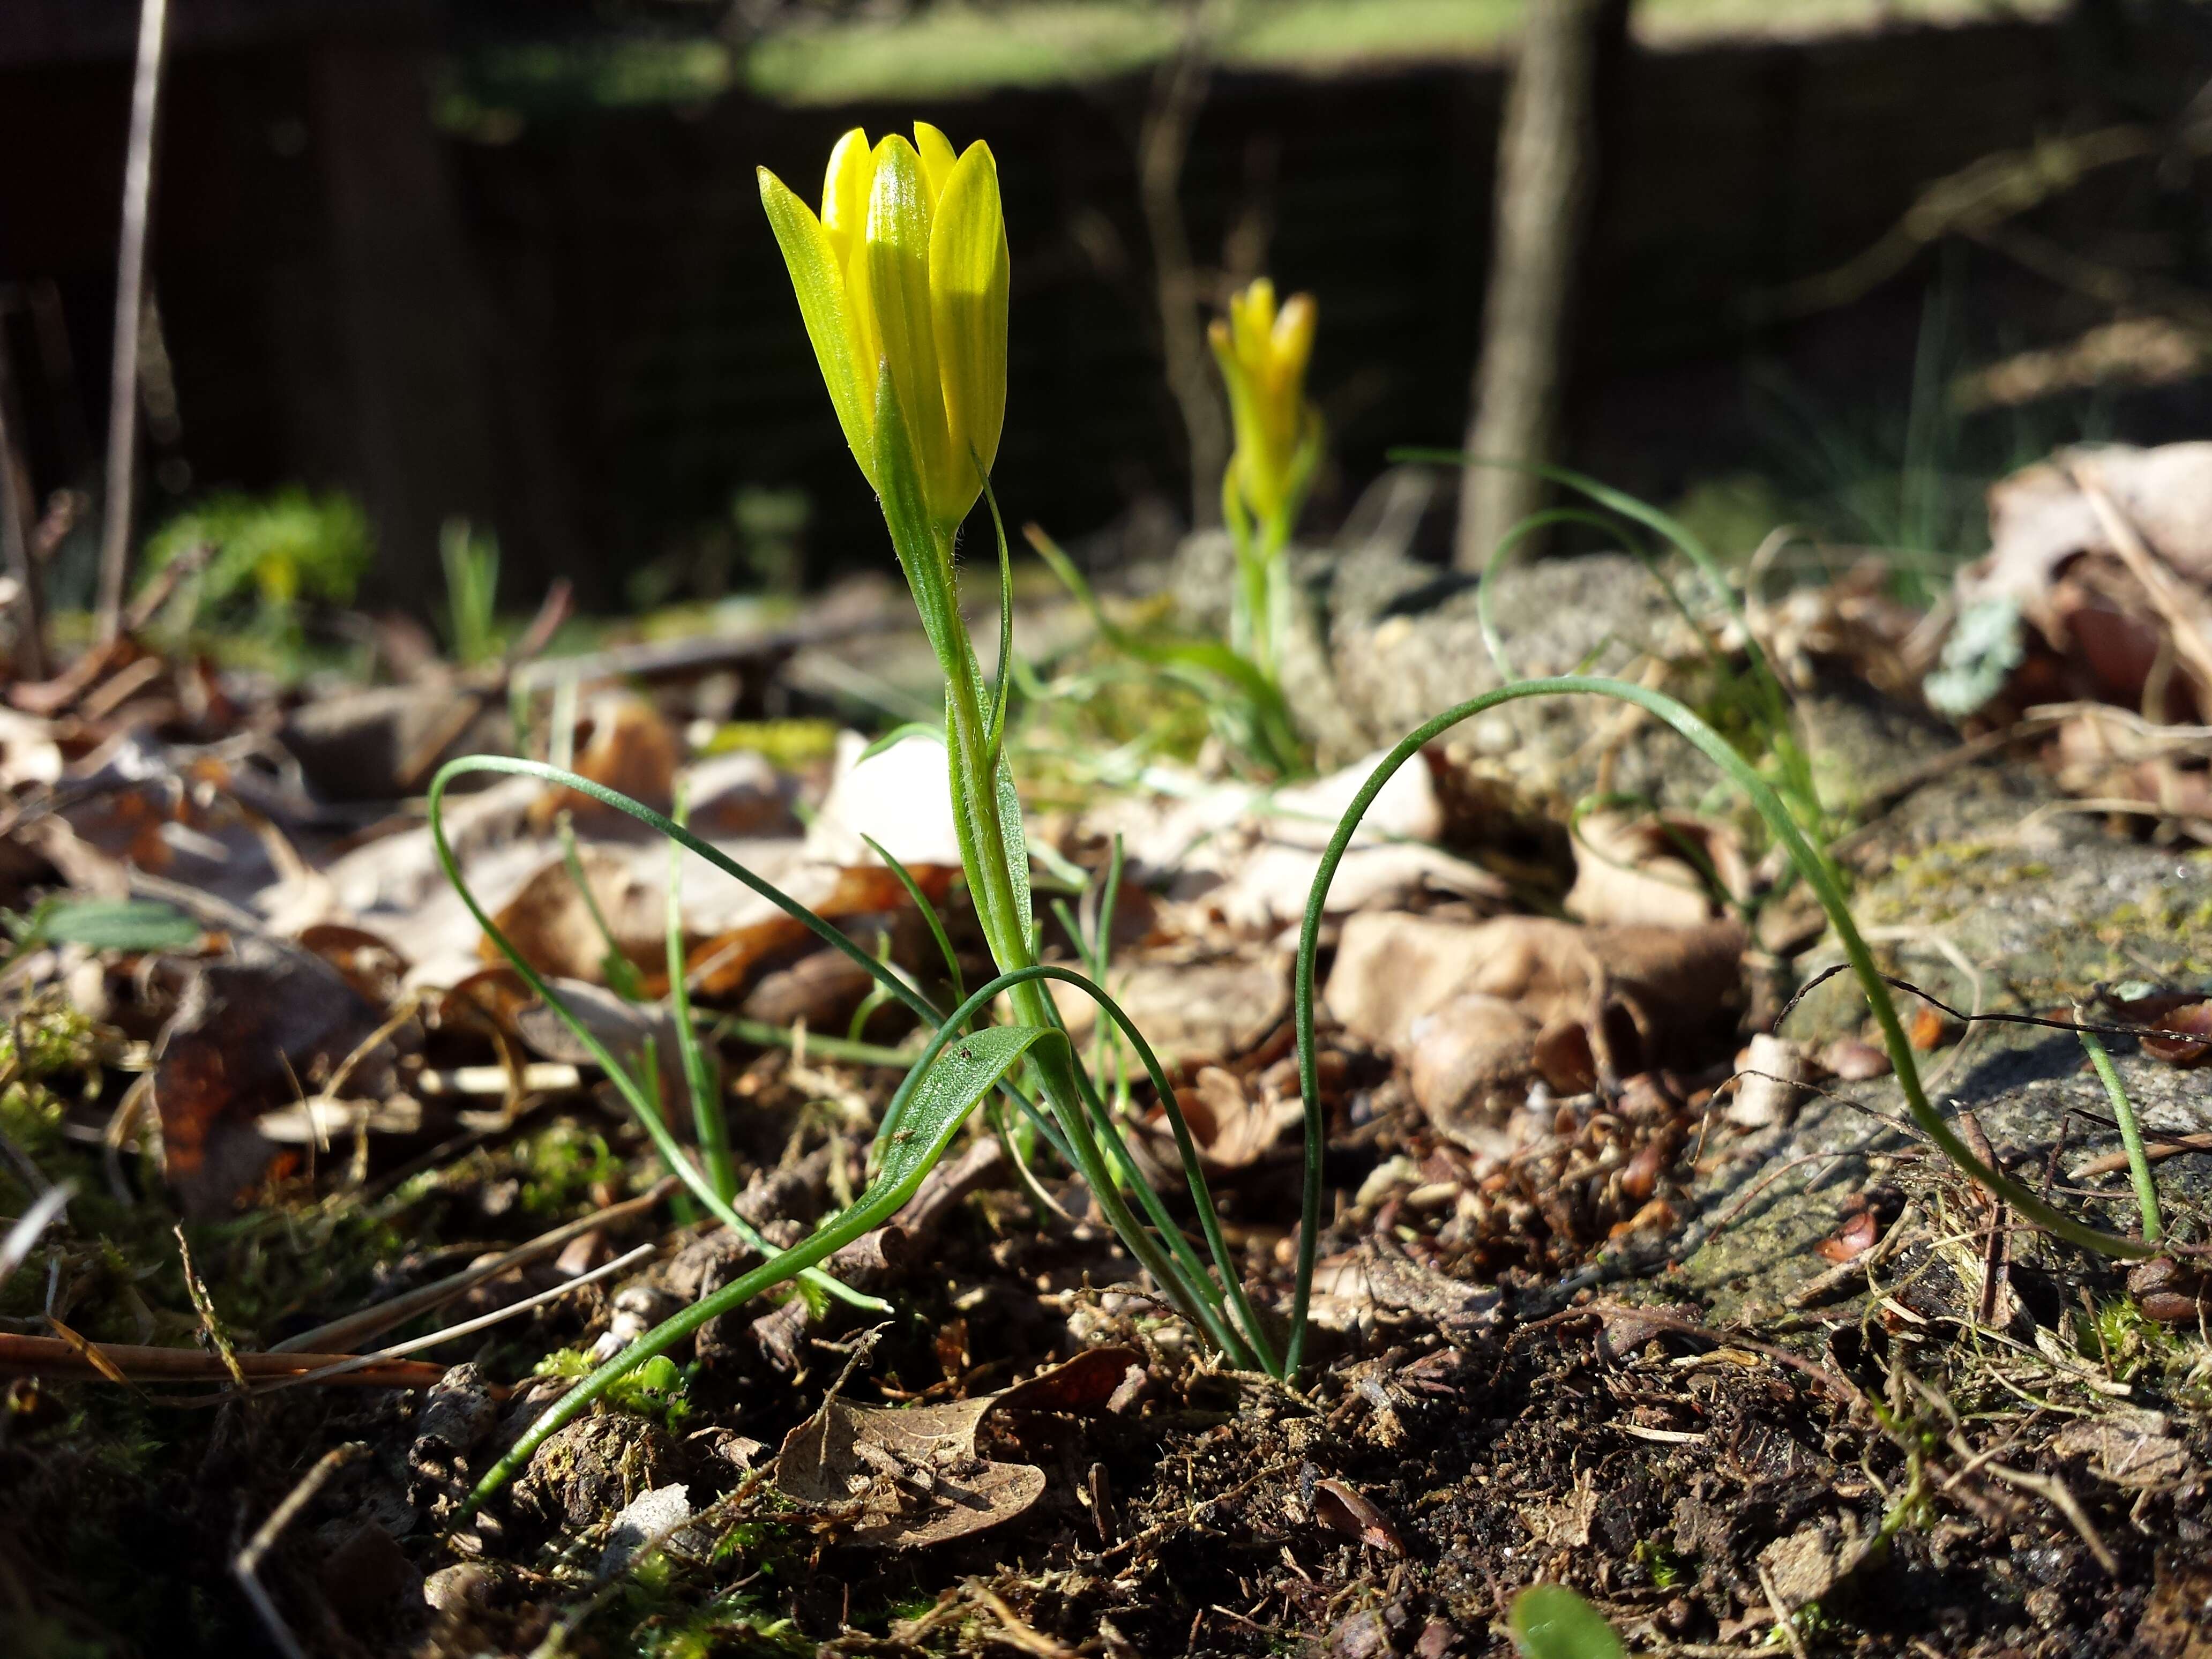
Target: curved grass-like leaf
x=1818 y=874
x=706 y=1105
x=996 y=733
x=928 y=912
x=934 y=1101
x=635 y=1093
x=1492 y=639
x=1685 y=541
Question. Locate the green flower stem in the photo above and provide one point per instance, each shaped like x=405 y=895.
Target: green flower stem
x=1814 y=867
x=2123 y=1114
x=978 y=809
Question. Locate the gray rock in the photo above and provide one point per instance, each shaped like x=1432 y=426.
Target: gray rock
x=644 y=1519
x=1404 y=641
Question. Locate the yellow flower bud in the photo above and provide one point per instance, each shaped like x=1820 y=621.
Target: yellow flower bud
x=902 y=281
x=1263 y=353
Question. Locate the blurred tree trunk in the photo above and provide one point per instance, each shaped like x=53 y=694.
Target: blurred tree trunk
x=408 y=316
x=1547 y=172
x=1179 y=91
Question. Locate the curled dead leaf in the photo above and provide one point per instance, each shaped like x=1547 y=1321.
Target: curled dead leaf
x=2194 y=1019
x=252 y=1033
x=1852 y=1240
x=368 y=961
x=551 y=920
x=1341 y=1508
x=1234 y=1125
x=1502 y=993
x=631 y=750
x=910 y=1476
x=1659 y=871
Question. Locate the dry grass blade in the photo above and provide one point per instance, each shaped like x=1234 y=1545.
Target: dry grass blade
x=245 y=1567
x=468 y=1327
x=71 y=1355
x=24 y=1235
x=383 y=1316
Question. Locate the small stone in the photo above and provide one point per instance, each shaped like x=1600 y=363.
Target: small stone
x=1854 y=1061
x=1363 y=1635
x=467 y=1586
x=458 y=1410
x=643 y=1520
x=1772 y=1073
x=593 y=1467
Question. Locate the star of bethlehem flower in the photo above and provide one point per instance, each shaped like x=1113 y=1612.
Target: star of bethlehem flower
x=902 y=280
x=1263 y=353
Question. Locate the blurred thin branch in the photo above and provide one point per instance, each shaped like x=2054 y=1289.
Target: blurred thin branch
x=129 y=315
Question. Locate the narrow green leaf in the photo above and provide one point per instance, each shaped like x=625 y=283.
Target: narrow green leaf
x=1017 y=842
x=698 y=1076
x=117 y=925
x=899 y=734
x=1550 y=1621
x=928 y=914
x=931 y=1104
x=1812 y=866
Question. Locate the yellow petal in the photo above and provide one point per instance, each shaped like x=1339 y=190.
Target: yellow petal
x=1293 y=336
x=968 y=286
x=845 y=193
x=868 y=337
x=1251 y=319
x=897 y=253
x=937 y=159
x=818 y=280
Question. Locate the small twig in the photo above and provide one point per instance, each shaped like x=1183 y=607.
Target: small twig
x=1960 y=1015
x=246 y=1565
x=1996 y=1244
x=1781 y=1620
x=2053 y=1491
x=1014 y=1630
x=71 y=1355
x=203 y=1305
x=2167 y=1146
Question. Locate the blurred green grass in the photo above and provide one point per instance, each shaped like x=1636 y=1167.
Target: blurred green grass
x=958 y=49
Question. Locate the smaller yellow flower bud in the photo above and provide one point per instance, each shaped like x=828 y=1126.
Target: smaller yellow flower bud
x=1263 y=352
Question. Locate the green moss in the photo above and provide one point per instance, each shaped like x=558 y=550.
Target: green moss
x=1660 y=1563
x=561 y=1165
x=2176 y=917
x=656 y=1389
x=2125 y=1341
